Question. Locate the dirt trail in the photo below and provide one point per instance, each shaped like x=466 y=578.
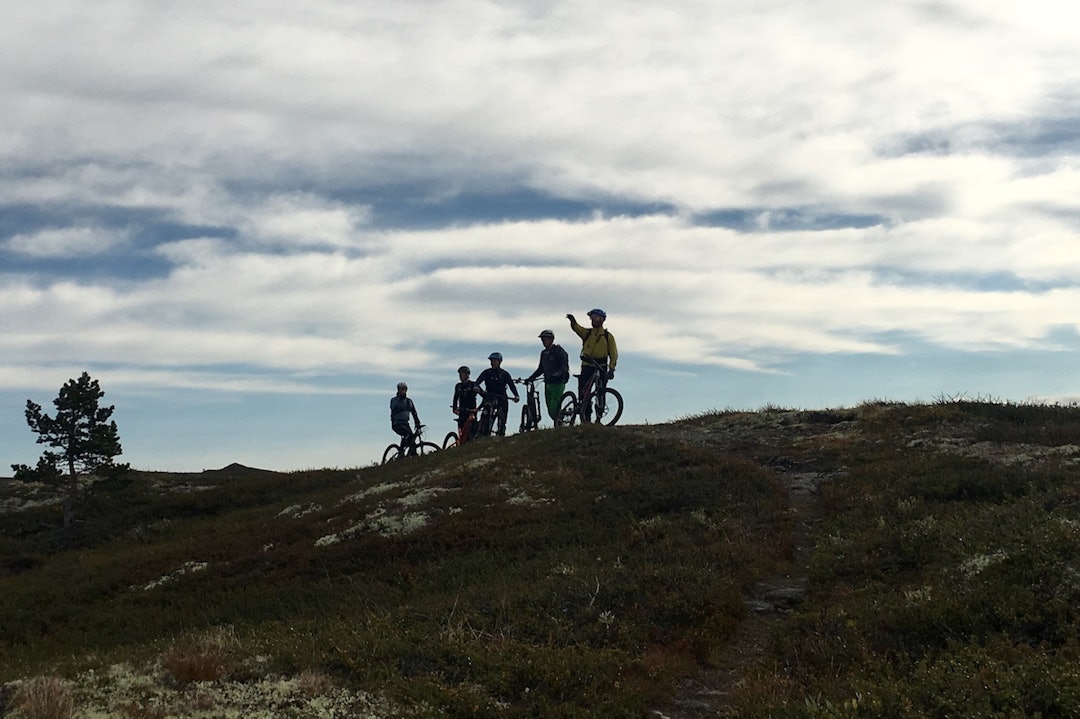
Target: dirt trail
x=782 y=446
x=708 y=694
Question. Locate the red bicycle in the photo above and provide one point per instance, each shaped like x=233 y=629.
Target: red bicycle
x=465 y=433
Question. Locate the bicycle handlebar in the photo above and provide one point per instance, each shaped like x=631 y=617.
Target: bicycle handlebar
x=597 y=365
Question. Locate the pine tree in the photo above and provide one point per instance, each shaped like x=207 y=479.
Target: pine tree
x=87 y=441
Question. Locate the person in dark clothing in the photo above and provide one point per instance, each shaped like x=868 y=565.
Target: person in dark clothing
x=555 y=366
x=495 y=381
x=465 y=392
x=401 y=410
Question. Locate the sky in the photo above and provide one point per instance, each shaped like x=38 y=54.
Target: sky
x=248 y=221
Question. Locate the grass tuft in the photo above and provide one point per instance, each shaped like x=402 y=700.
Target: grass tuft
x=203 y=656
x=311 y=683
x=47 y=697
x=139 y=709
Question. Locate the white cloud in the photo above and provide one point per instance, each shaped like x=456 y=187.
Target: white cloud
x=696 y=103
x=135 y=381
x=65 y=242
x=300 y=220
x=677 y=293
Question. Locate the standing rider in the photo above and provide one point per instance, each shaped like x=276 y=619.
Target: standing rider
x=496 y=381
x=464 y=403
x=401 y=409
x=597 y=344
x=555 y=366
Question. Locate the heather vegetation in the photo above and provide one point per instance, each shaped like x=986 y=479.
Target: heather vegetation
x=586 y=571
x=945 y=578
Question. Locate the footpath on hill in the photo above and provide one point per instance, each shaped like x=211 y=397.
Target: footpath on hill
x=790 y=444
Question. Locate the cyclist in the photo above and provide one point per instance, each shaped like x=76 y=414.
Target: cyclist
x=555 y=366
x=401 y=409
x=596 y=344
x=495 y=381
x=464 y=403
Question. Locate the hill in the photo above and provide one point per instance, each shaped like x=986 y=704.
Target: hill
x=886 y=560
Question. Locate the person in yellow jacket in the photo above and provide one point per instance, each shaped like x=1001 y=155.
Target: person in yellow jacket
x=598 y=345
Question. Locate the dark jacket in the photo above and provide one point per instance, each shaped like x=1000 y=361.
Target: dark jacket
x=464 y=396
x=496 y=381
x=554 y=365
x=402 y=409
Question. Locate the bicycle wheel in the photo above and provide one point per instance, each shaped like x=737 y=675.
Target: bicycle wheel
x=525 y=425
x=484 y=428
x=427 y=448
x=607 y=407
x=568 y=410
x=451 y=440
x=535 y=411
x=390 y=453
x=585 y=405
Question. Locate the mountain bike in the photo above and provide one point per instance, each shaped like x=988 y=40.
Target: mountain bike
x=597 y=401
x=467 y=431
x=489 y=417
x=411 y=446
x=530 y=411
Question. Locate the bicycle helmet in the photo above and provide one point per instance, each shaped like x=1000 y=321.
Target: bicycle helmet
x=599 y=312
x=547 y=333
x=402 y=385
x=464 y=369
x=495 y=355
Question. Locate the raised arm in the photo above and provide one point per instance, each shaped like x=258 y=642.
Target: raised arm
x=578 y=329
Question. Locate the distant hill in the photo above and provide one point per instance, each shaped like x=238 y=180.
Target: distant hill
x=884 y=560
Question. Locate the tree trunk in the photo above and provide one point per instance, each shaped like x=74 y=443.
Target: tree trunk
x=72 y=496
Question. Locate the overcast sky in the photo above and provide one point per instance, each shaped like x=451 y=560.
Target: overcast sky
x=249 y=221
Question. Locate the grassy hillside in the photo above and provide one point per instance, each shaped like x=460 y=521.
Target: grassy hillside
x=887 y=560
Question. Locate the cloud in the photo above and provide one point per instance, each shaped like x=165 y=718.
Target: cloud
x=135 y=382
x=698 y=104
x=65 y=242
x=685 y=294
x=304 y=220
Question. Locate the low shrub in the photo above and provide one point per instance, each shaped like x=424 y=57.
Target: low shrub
x=589 y=572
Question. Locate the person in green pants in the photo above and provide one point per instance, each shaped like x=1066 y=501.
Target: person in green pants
x=555 y=366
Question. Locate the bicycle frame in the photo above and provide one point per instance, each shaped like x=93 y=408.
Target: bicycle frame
x=530 y=413
x=412 y=442
x=489 y=417
x=593 y=387
x=595 y=397
x=465 y=432
x=413 y=445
